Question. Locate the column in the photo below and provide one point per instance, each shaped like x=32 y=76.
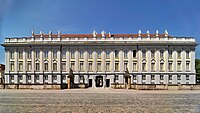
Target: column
x=148 y=53
x=103 y=63
x=59 y=60
x=130 y=60
x=50 y=60
x=183 y=63
x=104 y=81
x=157 y=59
x=7 y=60
x=192 y=60
x=94 y=61
x=86 y=65
x=86 y=79
x=121 y=61
x=174 y=55
x=139 y=59
x=16 y=59
x=68 y=60
x=93 y=81
x=33 y=60
x=76 y=61
x=41 y=60
x=24 y=60
x=166 y=59
x=112 y=62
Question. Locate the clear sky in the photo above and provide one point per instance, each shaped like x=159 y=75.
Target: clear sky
x=19 y=17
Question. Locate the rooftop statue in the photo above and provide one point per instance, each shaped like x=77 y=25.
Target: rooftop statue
x=94 y=33
x=103 y=33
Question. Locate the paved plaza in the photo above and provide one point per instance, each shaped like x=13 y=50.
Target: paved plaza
x=99 y=100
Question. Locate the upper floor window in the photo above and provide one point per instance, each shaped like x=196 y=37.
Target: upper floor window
x=125 y=53
x=37 y=66
x=107 y=54
x=170 y=53
x=179 y=53
x=72 y=54
x=54 y=54
x=116 y=66
x=98 y=66
x=37 y=53
x=81 y=54
x=134 y=66
x=161 y=53
x=99 y=54
x=20 y=66
x=29 y=54
x=63 y=54
x=72 y=65
x=12 y=66
x=179 y=66
x=20 y=54
x=46 y=66
x=170 y=66
x=187 y=54
x=107 y=66
x=187 y=66
x=134 y=53
x=90 y=65
x=152 y=53
x=63 y=65
x=125 y=65
x=45 y=54
x=29 y=66
x=54 y=66
x=81 y=65
x=143 y=53
x=116 y=53
x=143 y=66
x=12 y=54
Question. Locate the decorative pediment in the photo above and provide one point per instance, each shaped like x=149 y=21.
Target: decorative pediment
x=46 y=61
x=54 y=61
x=162 y=61
x=153 y=61
x=37 y=61
x=144 y=61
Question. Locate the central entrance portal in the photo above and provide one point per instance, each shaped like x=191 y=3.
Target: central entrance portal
x=99 y=81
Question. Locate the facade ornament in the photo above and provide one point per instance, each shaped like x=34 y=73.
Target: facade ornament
x=166 y=33
x=139 y=33
x=148 y=34
x=94 y=34
x=32 y=32
x=157 y=33
x=109 y=35
x=59 y=33
x=50 y=33
x=103 y=33
x=41 y=34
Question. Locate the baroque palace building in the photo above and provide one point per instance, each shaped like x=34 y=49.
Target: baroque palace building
x=99 y=60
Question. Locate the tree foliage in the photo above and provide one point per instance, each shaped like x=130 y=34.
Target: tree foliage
x=197 y=65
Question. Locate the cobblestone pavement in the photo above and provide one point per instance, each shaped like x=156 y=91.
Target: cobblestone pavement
x=99 y=100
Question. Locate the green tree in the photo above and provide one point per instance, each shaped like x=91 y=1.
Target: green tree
x=197 y=67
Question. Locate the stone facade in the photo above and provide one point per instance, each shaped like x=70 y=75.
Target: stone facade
x=99 y=60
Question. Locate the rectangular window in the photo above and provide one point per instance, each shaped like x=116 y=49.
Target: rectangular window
x=99 y=54
x=20 y=54
x=72 y=65
x=170 y=66
x=134 y=66
x=72 y=54
x=179 y=77
x=45 y=77
x=152 y=77
x=187 y=54
x=29 y=66
x=37 y=66
x=12 y=54
x=63 y=54
x=63 y=65
x=152 y=53
x=143 y=53
x=90 y=54
x=170 y=53
x=29 y=54
x=125 y=54
x=81 y=65
x=116 y=66
x=179 y=54
x=161 y=66
x=116 y=53
x=143 y=66
x=161 y=53
x=134 y=53
x=143 y=77
x=54 y=66
x=125 y=65
x=134 y=77
x=187 y=77
x=107 y=54
x=46 y=54
x=81 y=54
x=179 y=66
x=161 y=77
x=107 y=66
x=90 y=65
x=20 y=66
x=12 y=66
x=170 y=77
x=37 y=54
x=152 y=66
x=98 y=66
x=46 y=66
x=54 y=54
x=187 y=66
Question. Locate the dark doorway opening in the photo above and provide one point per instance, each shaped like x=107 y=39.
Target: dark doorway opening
x=99 y=81
x=107 y=82
x=90 y=82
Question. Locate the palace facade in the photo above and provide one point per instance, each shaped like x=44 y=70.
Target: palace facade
x=99 y=60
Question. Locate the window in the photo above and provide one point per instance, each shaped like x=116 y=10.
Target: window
x=63 y=54
x=54 y=77
x=143 y=53
x=179 y=66
x=143 y=66
x=107 y=54
x=54 y=66
x=170 y=66
x=161 y=66
x=81 y=66
x=161 y=53
x=170 y=77
x=90 y=54
x=170 y=53
x=29 y=77
x=81 y=79
x=20 y=54
x=161 y=77
x=152 y=66
x=37 y=66
x=152 y=77
x=179 y=54
x=125 y=65
x=134 y=77
x=134 y=66
x=152 y=53
x=46 y=54
x=143 y=77
x=29 y=66
x=12 y=77
x=12 y=54
x=45 y=77
x=187 y=66
x=107 y=66
x=54 y=54
x=116 y=66
x=20 y=66
x=81 y=54
x=72 y=65
x=37 y=54
x=63 y=65
x=99 y=54
x=134 y=53
x=187 y=54
x=98 y=66
x=179 y=77
x=72 y=54
x=126 y=54
x=187 y=77
x=29 y=54
x=116 y=54
x=12 y=66
x=46 y=66
x=90 y=65
x=116 y=77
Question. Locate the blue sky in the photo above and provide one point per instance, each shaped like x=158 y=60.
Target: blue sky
x=19 y=17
